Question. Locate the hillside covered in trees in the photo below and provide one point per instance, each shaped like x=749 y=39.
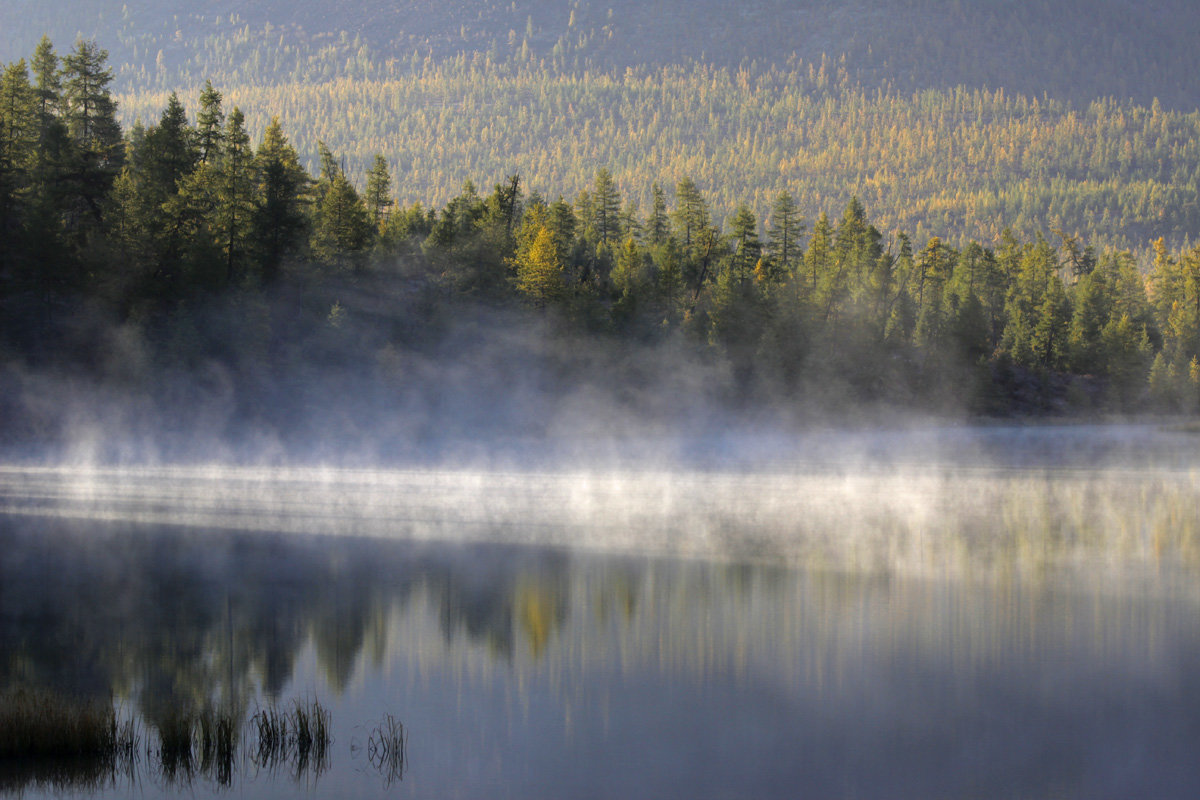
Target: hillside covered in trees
x=190 y=275
x=944 y=117
x=1076 y=50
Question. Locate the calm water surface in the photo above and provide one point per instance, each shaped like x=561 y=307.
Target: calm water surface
x=1037 y=636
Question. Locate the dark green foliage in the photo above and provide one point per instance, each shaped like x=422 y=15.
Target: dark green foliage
x=378 y=198
x=279 y=217
x=178 y=213
x=91 y=123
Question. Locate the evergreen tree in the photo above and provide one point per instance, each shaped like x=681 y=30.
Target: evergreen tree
x=1127 y=358
x=47 y=81
x=47 y=177
x=605 y=208
x=691 y=214
x=210 y=124
x=342 y=227
x=658 y=226
x=91 y=123
x=235 y=198
x=1050 y=330
x=901 y=320
x=561 y=223
x=1092 y=308
x=746 y=246
x=18 y=139
x=279 y=214
x=155 y=224
x=378 y=198
x=818 y=258
x=631 y=278
x=933 y=272
x=783 y=236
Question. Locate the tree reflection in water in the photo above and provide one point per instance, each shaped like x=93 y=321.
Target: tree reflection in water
x=515 y=659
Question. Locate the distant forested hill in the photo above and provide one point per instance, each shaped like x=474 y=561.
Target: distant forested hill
x=962 y=117
x=1069 y=49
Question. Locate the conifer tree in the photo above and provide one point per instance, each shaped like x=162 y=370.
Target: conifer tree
x=746 y=246
x=18 y=139
x=235 y=198
x=933 y=272
x=342 y=227
x=538 y=270
x=606 y=208
x=210 y=124
x=378 y=196
x=691 y=214
x=279 y=213
x=658 y=226
x=818 y=258
x=783 y=236
x=91 y=123
x=47 y=173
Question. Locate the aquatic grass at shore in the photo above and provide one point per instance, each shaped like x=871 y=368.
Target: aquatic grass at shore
x=41 y=724
x=387 y=749
x=63 y=743
x=204 y=742
x=296 y=736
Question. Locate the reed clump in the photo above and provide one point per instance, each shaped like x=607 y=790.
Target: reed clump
x=296 y=735
x=62 y=743
x=43 y=724
x=386 y=749
x=204 y=741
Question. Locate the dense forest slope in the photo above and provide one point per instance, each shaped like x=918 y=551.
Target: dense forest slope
x=189 y=278
x=949 y=117
x=1069 y=49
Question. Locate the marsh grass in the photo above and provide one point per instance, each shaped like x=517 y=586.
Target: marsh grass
x=296 y=737
x=192 y=743
x=59 y=742
x=55 y=742
x=386 y=749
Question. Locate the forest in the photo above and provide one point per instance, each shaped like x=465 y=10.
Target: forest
x=183 y=259
x=943 y=117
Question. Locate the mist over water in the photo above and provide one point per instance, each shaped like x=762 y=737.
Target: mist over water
x=954 y=499
x=572 y=570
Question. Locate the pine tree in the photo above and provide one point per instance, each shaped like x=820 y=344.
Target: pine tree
x=235 y=198
x=818 y=258
x=279 y=214
x=92 y=126
x=47 y=81
x=155 y=223
x=562 y=223
x=658 y=226
x=631 y=275
x=1090 y=315
x=342 y=227
x=47 y=176
x=18 y=140
x=171 y=148
x=691 y=214
x=210 y=124
x=606 y=208
x=783 y=236
x=933 y=272
x=378 y=196
x=746 y=246
x=1050 y=330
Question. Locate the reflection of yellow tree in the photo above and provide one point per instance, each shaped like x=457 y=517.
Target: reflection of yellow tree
x=538 y=611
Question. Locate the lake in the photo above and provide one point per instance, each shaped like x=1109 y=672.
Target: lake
x=982 y=613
